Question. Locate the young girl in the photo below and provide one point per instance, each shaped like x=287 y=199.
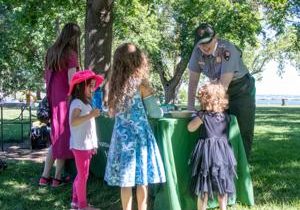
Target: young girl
x=133 y=158
x=83 y=141
x=213 y=163
x=61 y=62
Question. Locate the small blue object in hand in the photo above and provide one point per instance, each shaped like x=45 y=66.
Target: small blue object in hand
x=97 y=99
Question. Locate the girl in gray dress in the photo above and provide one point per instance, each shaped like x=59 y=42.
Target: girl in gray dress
x=212 y=161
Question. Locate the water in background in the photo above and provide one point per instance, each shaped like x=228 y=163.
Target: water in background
x=290 y=100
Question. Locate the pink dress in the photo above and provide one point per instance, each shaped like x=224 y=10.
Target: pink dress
x=58 y=101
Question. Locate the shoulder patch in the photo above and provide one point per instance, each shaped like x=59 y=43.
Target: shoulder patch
x=226 y=55
x=221 y=45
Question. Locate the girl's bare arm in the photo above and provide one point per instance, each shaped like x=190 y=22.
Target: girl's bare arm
x=194 y=124
x=76 y=119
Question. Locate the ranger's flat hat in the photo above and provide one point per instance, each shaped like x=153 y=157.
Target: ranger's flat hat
x=204 y=33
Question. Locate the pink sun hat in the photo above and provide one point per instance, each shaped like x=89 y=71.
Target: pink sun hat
x=84 y=75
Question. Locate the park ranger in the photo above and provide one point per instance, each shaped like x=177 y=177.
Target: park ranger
x=221 y=61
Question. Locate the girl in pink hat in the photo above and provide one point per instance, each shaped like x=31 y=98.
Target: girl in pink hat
x=83 y=141
x=61 y=62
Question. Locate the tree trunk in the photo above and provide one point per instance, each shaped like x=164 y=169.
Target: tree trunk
x=98 y=35
x=170 y=91
x=57 y=26
x=171 y=86
x=38 y=94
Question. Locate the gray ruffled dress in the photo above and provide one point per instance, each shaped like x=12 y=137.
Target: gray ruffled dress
x=212 y=160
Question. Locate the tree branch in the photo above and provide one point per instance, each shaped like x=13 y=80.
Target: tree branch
x=256 y=71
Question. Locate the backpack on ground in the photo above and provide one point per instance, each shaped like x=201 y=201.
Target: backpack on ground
x=40 y=136
x=3 y=165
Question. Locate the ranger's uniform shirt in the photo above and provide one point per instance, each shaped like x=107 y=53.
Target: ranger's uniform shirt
x=226 y=58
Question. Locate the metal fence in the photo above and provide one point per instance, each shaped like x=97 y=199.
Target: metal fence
x=16 y=122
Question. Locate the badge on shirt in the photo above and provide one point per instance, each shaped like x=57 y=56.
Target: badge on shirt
x=218 y=59
x=201 y=63
x=201 y=32
x=226 y=55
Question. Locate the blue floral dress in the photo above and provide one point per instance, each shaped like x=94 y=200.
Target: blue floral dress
x=133 y=157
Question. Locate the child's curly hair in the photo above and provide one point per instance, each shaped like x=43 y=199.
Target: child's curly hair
x=213 y=97
x=129 y=69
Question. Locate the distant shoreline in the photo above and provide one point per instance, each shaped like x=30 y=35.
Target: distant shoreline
x=278 y=106
x=268 y=97
x=280 y=100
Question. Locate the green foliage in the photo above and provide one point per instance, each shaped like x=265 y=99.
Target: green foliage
x=281 y=48
x=165 y=29
x=281 y=20
x=27 y=30
x=141 y=26
x=238 y=22
x=182 y=96
x=282 y=13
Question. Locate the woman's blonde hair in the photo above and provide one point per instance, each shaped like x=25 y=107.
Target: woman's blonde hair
x=130 y=67
x=213 y=97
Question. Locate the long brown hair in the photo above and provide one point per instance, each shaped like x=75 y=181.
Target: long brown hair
x=67 y=41
x=213 y=97
x=130 y=67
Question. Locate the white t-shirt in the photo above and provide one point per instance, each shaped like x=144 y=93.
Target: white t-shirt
x=83 y=136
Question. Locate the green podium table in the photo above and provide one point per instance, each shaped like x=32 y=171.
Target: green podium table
x=176 y=144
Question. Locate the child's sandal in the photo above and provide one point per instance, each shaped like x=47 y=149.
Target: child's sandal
x=57 y=183
x=66 y=179
x=74 y=205
x=45 y=181
x=60 y=182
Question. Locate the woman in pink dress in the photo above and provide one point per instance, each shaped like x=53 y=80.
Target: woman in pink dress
x=61 y=63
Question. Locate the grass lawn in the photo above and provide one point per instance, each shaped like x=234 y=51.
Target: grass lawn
x=19 y=190
x=275 y=160
x=275 y=169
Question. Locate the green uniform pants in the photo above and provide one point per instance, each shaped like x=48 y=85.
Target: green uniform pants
x=242 y=105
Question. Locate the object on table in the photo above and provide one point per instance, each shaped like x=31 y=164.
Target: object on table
x=168 y=107
x=181 y=114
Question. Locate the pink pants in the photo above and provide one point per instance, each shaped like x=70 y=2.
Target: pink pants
x=82 y=160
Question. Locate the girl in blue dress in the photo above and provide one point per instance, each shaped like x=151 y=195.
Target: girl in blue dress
x=133 y=159
x=212 y=161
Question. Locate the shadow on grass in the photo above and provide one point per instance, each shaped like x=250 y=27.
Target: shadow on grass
x=19 y=190
x=275 y=158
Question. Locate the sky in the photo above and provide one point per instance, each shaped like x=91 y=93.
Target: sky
x=273 y=84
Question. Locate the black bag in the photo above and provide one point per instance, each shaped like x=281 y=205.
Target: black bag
x=40 y=137
x=43 y=113
x=3 y=165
